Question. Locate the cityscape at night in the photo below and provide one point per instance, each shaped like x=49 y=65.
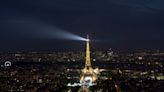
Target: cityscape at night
x=81 y=46
x=43 y=72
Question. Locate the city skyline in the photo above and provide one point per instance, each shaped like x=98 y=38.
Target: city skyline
x=81 y=46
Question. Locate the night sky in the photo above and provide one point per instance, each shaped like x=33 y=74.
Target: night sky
x=117 y=24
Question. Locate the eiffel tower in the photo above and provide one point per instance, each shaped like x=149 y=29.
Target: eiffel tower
x=87 y=73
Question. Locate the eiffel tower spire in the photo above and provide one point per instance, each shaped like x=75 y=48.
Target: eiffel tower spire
x=88 y=60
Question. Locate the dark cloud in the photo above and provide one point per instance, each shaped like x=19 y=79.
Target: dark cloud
x=123 y=24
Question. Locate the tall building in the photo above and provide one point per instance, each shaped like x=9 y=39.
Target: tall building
x=87 y=74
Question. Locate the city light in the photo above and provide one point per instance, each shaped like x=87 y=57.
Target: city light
x=81 y=46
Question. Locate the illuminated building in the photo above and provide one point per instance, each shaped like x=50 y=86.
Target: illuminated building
x=88 y=74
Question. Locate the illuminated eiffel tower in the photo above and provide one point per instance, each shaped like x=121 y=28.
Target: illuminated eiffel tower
x=88 y=73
